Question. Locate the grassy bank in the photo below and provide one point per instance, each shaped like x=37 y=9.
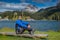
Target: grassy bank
x=51 y=35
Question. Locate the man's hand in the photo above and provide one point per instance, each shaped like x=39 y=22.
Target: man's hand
x=29 y=26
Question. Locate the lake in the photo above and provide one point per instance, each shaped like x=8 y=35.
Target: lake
x=38 y=25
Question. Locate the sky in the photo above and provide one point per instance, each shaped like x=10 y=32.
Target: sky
x=17 y=4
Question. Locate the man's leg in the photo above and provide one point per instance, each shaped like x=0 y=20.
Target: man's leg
x=17 y=31
x=31 y=31
x=22 y=30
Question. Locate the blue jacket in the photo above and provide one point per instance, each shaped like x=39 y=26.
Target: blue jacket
x=22 y=24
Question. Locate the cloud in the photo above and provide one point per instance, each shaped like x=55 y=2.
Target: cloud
x=19 y=6
x=12 y=6
x=2 y=10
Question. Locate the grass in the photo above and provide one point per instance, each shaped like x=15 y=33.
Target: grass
x=51 y=35
x=5 y=29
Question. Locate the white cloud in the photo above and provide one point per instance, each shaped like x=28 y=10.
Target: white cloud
x=13 y=5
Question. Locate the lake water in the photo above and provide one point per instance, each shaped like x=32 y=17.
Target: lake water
x=38 y=25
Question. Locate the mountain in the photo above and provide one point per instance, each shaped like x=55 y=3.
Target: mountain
x=51 y=13
x=58 y=5
x=0 y=12
x=31 y=8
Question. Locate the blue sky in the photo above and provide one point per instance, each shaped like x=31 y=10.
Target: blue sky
x=16 y=3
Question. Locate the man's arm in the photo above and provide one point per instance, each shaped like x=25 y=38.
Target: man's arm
x=21 y=24
x=27 y=23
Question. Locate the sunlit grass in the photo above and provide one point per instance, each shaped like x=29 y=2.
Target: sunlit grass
x=5 y=29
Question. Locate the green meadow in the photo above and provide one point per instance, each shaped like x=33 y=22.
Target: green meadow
x=51 y=35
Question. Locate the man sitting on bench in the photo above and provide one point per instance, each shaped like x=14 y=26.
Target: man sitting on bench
x=21 y=26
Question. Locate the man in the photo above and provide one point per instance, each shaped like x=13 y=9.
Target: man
x=21 y=26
